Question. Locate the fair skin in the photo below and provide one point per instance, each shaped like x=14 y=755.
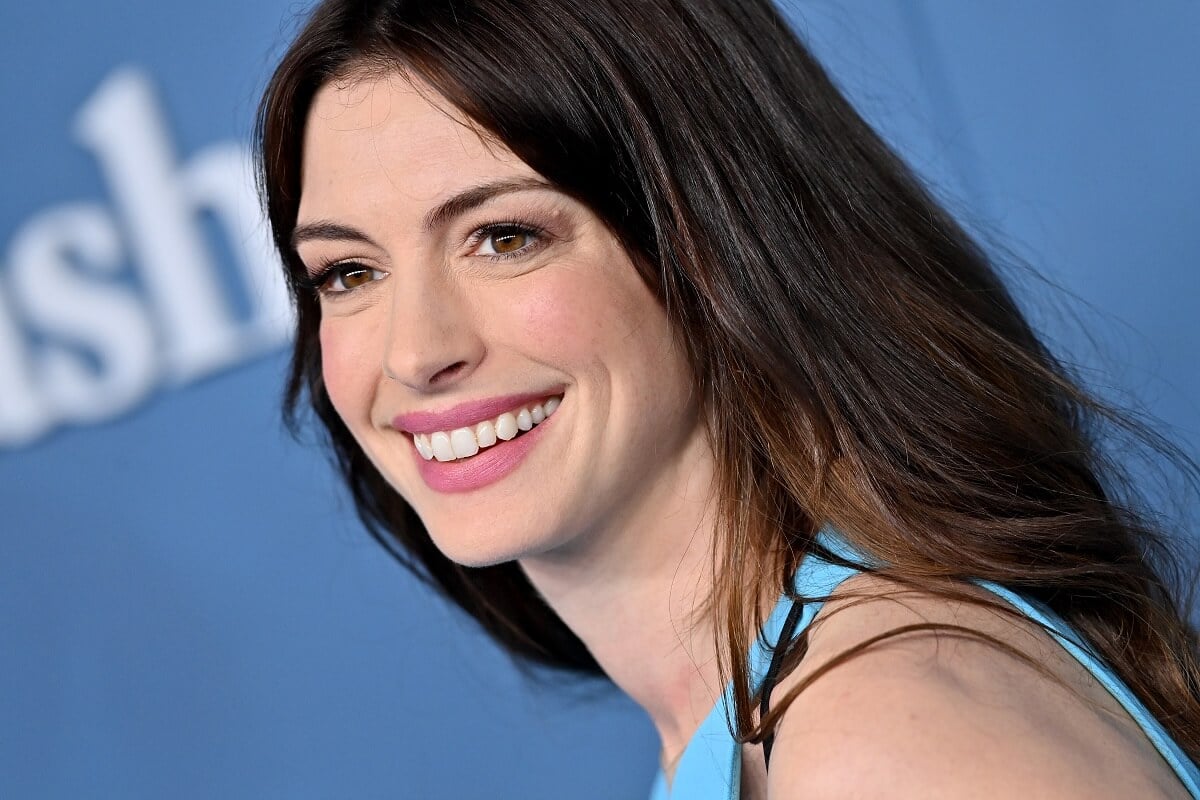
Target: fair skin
x=435 y=319
x=610 y=513
x=933 y=716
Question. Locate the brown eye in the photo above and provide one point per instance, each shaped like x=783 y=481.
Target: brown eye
x=355 y=277
x=505 y=240
x=509 y=242
x=347 y=277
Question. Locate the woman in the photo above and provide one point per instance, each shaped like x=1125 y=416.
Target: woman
x=634 y=340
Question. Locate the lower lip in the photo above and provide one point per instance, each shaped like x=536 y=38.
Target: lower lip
x=485 y=467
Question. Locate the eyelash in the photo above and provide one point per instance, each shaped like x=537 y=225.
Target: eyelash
x=482 y=233
x=326 y=272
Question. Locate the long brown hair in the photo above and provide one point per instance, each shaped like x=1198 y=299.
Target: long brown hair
x=859 y=360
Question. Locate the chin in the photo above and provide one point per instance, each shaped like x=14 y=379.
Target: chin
x=485 y=546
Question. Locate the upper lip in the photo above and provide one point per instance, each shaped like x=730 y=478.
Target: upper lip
x=465 y=414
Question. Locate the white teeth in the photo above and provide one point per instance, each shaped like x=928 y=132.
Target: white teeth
x=463 y=442
x=466 y=442
x=506 y=426
x=442 y=450
x=485 y=432
x=423 y=447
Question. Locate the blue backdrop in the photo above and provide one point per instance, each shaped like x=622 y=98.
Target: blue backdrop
x=187 y=606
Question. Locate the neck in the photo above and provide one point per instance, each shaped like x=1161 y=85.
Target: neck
x=635 y=593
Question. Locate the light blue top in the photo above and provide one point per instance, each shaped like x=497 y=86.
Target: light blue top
x=711 y=765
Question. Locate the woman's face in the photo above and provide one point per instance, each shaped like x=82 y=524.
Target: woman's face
x=459 y=290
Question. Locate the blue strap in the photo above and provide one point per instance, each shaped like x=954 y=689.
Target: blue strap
x=1188 y=772
x=711 y=765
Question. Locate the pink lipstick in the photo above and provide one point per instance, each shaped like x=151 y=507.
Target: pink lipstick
x=465 y=414
x=499 y=451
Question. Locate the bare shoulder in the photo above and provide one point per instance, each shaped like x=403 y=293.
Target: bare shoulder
x=935 y=713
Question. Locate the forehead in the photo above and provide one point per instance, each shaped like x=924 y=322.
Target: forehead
x=378 y=139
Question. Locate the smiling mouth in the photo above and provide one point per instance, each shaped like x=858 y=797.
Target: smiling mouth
x=462 y=443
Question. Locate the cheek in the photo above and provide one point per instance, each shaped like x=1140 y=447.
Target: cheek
x=588 y=314
x=611 y=334
x=346 y=368
x=555 y=314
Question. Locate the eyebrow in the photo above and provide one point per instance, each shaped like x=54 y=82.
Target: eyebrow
x=459 y=203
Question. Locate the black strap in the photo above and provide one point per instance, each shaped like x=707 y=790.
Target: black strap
x=782 y=648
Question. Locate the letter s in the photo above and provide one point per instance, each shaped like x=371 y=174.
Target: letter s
x=105 y=320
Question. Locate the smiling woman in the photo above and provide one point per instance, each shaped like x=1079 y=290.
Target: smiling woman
x=479 y=294
x=697 y=394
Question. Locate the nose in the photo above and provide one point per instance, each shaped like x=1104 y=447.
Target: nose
x=432 y=337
